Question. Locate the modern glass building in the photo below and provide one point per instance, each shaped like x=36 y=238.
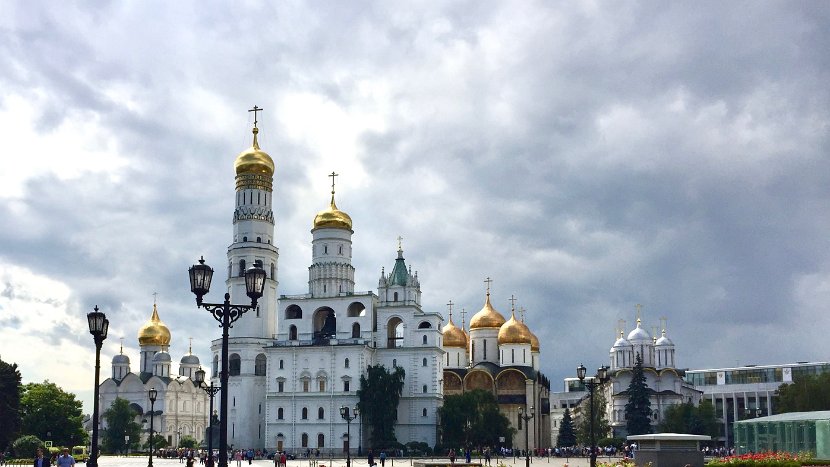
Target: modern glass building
x=793 y=432
x=747 y=392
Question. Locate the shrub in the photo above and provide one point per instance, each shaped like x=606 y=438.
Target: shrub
x=25 y=446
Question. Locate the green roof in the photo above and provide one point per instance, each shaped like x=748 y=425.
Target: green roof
x=790 y=417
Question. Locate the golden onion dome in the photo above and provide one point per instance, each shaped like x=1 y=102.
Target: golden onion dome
x=332 y=218
x=488 y=317
x=534 y=343
x=254 y=160
x=154 y=331
x=514 y=332
x=454 y=336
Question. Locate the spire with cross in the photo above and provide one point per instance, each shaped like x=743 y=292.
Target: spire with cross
x=463 y=317
x=255 y=110
x=512 y=303
x=488 y=281
x=449 y=307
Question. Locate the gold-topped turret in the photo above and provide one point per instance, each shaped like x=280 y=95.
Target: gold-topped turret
x=454 y=336
x=332 y=218
x=254 y=160
x=514 y=331
x=154 y=331
x=487 y=317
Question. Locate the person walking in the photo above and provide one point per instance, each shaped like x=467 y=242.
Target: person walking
x=487 y=456
x=41 y=461
x=65 y=460
x=238 y=457
x=452 y=456
x=383 y=459
x=371 y=458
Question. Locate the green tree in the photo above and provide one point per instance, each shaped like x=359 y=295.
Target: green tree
x=188 y=442
x=379 y=393
x=159 y=442
x=473 y=419
x=601 y=425
x=9 y=403
x=120 y=418
x=25 y=446
x=52 y=414
x=566 y=437
x=638 y=407
x=691 y=419
x=805 y=394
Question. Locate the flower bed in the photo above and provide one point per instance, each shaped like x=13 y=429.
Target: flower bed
x=764 y=459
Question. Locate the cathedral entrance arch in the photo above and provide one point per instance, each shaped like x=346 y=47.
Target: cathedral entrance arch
x=394 y=333
x=356 y=309
x=478 y=379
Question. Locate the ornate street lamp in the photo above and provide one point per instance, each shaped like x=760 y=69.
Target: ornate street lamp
x=153 y=394
x=597 y=381
x=344 y=412
x=226 y=314
x=211 y=390
x=526 y=417
x=98 y=327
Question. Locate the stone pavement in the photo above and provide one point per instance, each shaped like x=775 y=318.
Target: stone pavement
x=112 y=461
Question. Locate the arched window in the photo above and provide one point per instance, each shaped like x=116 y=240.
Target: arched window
x=279 y=414
x=425 y=389
x=395 y=297
x=394 y=333
x=216 y=364
x=293 y=312
x=424 y=340
x=273 y=271
x=242 y=264
x=424 y=325
x=320 y=414
x=321 y=440
x=234 y=365
x=282 y=364
x=304 y=415
x=424 y=362
x=346 y=363
x=259 y=365
x=424 y=413
x=259 y=239
x=304 y=440
x=356 y=331
x=292 y=333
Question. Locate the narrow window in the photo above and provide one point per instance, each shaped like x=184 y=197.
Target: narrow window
x=424 y=413
x=345 y=386
x=425 y=389
x=325 y=249
x=340 y=250
x=424 y=340
x=322 y=385
x=305 y=386
x=281 y=365
x=394 y=363
x=320 y=413
x=259 y=239
x=424 y=362
x=279 y=414
x=346 y=363
x=280 y=387
x=395 y=297
x=305 y=440
x=304 y=416
x=512 y=355
x=484 y=342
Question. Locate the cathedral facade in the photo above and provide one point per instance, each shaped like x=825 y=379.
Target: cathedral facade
x=181 y=407
x=500 y=356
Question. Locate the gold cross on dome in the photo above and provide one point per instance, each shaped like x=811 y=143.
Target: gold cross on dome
x=255 y=110
x=512 y=302
x=488 y=281
x=332 y=175
x=449 y=305
x=155 y=297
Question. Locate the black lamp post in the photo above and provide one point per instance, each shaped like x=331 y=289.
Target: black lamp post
x=211 y=390
x=152 y=393
x=226 y=314
x=98 y=326
x=526 y=417
x=592 y=385
x=344 y=412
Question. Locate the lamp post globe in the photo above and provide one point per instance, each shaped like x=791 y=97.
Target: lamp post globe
x=526 y=417
x=98 y=327
x=226 y=314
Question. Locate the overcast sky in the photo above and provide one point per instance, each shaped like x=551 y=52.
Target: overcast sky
x=587 y=156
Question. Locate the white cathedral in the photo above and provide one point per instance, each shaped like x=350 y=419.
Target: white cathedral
x=181 y=407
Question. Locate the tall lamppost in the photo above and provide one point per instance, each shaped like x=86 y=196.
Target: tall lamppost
x=98 y=327
x=526 y=417
x=592 y=385
x=152 y=393
x=344 y=412
x=211 y=390
x=226 y=314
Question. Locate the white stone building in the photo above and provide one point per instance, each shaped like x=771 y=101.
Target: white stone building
x=181 y=407
x=296 y=359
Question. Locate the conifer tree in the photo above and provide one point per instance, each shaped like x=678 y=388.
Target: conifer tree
x=638 y=408
x=566 y=437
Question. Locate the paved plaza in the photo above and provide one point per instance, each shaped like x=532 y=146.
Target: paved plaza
x=112 y=461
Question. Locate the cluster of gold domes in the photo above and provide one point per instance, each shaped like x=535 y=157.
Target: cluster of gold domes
x=254 y=160
x=511 y=331
x=332 y=218
x=487 y=317
x=154 y=331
